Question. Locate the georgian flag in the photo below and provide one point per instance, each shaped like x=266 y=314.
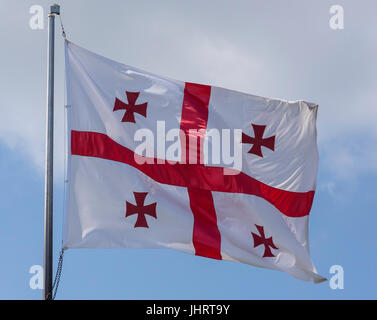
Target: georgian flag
x=242 y=191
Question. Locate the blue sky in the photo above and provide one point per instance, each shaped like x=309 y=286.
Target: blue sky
x=273 y=49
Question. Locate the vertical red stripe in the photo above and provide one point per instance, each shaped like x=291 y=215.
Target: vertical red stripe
x=206 y=235
x=194 y=117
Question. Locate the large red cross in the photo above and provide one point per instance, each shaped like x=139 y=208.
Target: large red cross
x=199 y=179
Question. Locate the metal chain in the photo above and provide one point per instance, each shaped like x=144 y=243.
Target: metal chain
x=55 y=285
x=61 y=24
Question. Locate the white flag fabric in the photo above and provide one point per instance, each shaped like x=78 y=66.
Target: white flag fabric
x=159 y=163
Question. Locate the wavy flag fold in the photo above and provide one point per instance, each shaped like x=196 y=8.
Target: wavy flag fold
x=159 y=163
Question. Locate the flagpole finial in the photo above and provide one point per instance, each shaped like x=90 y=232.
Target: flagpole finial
x=55 y=9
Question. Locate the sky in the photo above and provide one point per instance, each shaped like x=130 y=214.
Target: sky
x=281 y=49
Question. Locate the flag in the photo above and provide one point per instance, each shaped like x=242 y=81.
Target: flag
x=159 y=163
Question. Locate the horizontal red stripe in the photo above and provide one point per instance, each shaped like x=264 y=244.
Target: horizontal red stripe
x=99 y=145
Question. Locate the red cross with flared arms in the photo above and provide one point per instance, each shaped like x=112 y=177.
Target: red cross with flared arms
x=140 y=209
x=262 y=240
x=131 y=107
x=258 y=141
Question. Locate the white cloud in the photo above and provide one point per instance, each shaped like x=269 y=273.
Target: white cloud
x=250 y=55
x=347 y=160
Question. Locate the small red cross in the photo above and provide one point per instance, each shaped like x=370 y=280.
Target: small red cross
x=258 y=240
x=131 y=107
x=258 y=141
x=141 y=210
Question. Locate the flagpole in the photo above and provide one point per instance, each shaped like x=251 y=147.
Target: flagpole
x=48 y=208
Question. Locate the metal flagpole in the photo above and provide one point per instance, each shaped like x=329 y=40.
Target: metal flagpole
x=48 y=209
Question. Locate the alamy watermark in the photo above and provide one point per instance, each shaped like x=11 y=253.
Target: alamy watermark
x=196 y=146
x=36 y=21
x=336 y=21
x=36 y=280
x=337 y=280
